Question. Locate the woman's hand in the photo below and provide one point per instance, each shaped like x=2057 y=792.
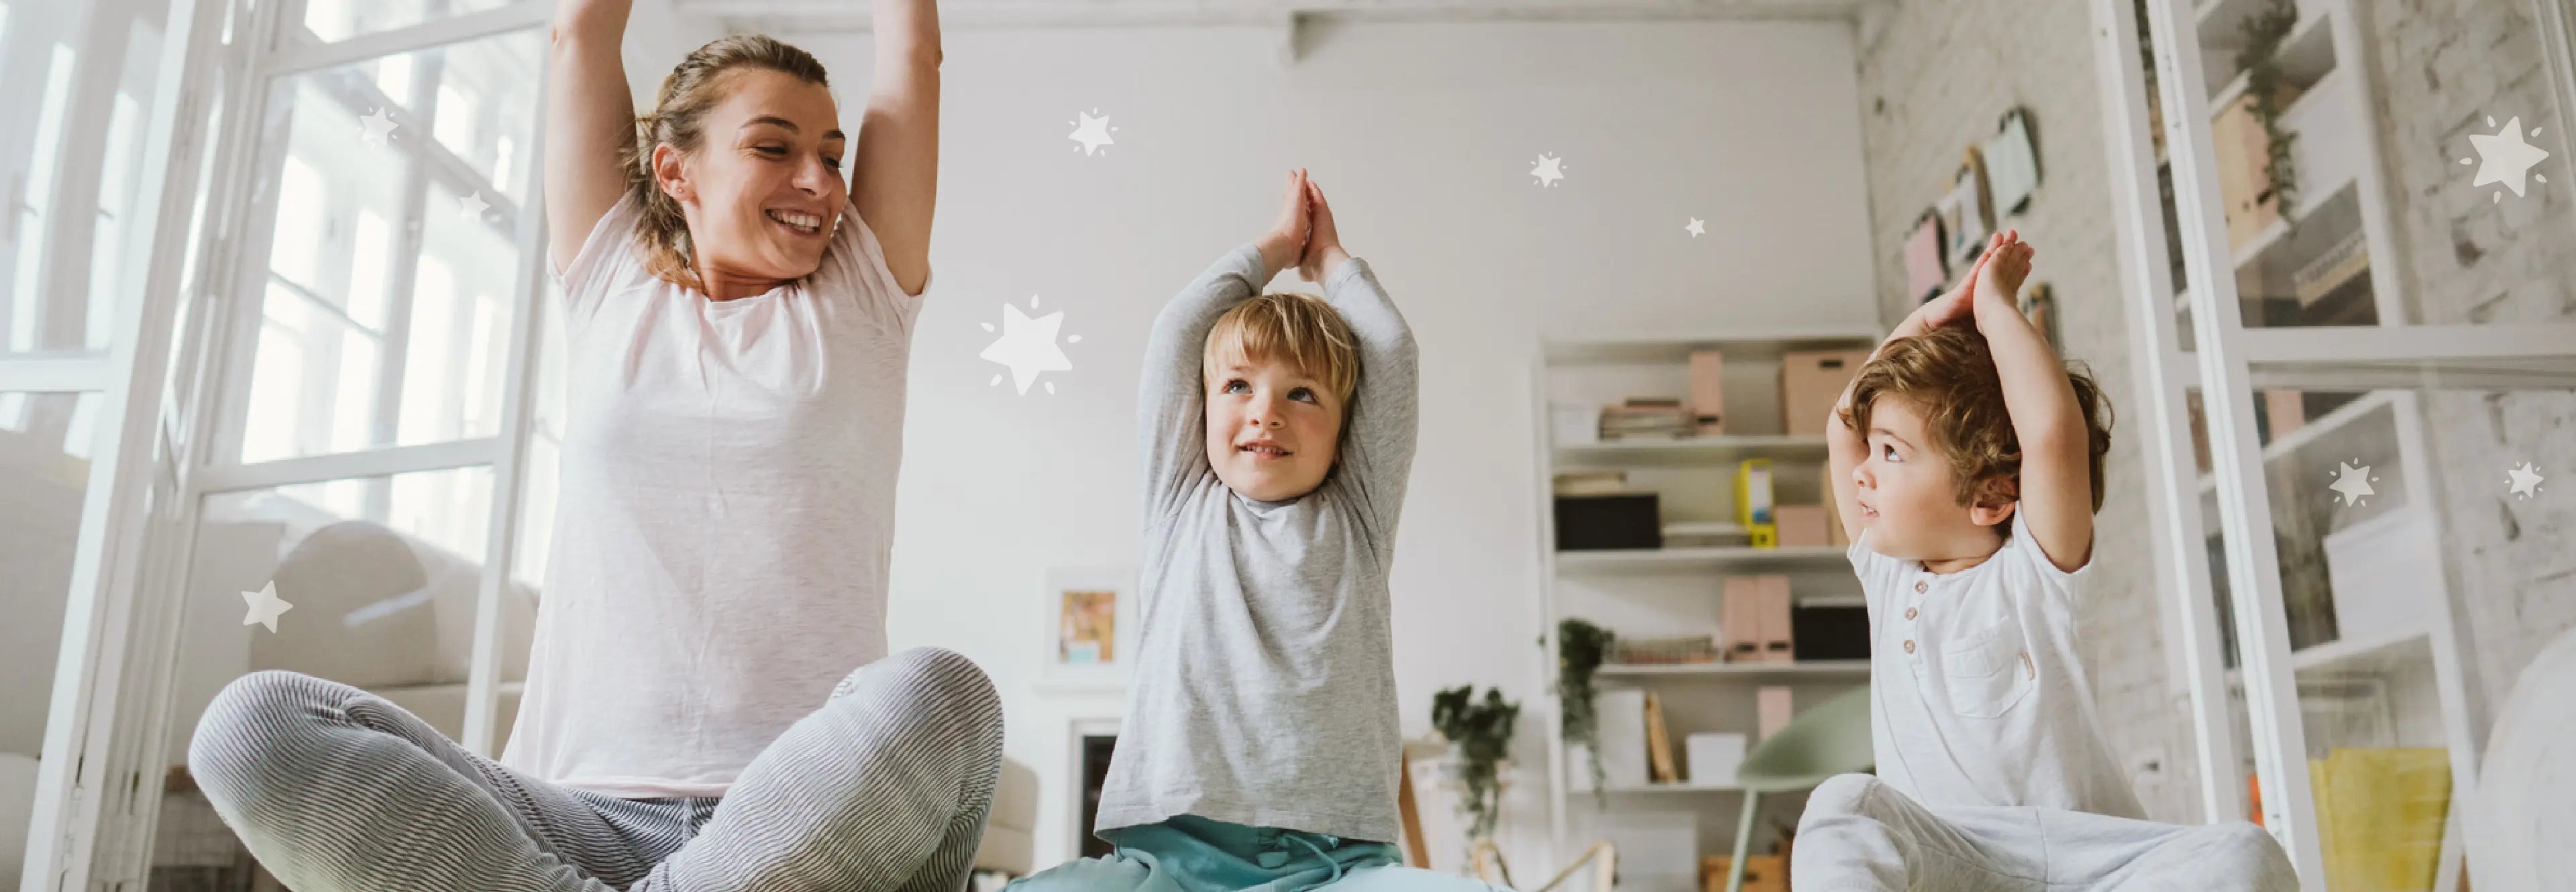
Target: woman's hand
x=1284 y=245
x=1323 y=240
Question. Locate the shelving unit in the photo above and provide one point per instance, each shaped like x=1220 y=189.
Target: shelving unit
x=2271 y=495
x=1694 y=475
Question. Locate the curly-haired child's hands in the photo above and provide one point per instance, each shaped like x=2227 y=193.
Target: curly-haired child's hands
x=1284 y=245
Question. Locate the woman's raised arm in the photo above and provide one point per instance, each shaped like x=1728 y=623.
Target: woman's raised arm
x=590 y=121
x=895 y=177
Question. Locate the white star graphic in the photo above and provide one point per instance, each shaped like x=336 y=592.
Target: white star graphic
x=1092 y=132
x=2525 y=480
x=2352 y=483
x=474 y=206
x=2506 y=158
x=1028 y=345
x=1697 y=227
x=378 y=126
x=264 y=607
x=1548 y=170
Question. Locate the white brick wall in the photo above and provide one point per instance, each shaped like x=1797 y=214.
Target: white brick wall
x=1937 y=82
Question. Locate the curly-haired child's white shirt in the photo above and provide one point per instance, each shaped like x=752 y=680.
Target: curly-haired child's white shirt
x=1978 y=695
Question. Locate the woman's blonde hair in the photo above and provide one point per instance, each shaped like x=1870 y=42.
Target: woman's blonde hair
x=1302 y=330
x=678 y=120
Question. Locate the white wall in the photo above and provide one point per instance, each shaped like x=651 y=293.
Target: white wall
x=1424 y=135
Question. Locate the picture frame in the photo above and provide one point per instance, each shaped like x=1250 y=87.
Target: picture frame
x=1968 y=211
x=1087 y=627
x=2012 y=162
x=2039 y=305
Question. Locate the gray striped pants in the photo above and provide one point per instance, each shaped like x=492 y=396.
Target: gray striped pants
x=336 y=790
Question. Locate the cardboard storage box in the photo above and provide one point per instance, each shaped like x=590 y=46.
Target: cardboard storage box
x=1810 y=382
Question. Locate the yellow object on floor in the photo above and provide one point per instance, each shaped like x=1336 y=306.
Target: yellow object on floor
x=2381 y=813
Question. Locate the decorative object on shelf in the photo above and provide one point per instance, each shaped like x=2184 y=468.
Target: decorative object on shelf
x=1753 y=502
x=2380 y=571
x=1708 y=392
x=1927 y=259
x=2328 y=271
x=1830 y=631
x=1591 y=483
x=2264 y=31
x=1091 y=626
x=1652 y=417
x=1677 y=650
x=2012 y=162
x=1661 y=767
x=2380 y=815
x=1773 y=709
x=1620 y=742
x=1739 y=613
x=1714 y=758
x=1968 y=212
x=2039 y=305
x=1581 y=647
x=1810 y=382
x=1762 y=873
x=1627 y=521
x=1480 y=736
x=1801 y=526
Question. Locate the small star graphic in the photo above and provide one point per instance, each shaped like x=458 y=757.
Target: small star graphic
x=1028 y=346
x=1697 y=227
x=2504 y=158
x=1092 y=132
x=379 y=126
x=264 y=607
x=2524 y=479
x=2352 y=483
x=1548 y=170
x=474 y=206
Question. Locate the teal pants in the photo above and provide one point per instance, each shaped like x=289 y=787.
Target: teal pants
x=1193 y=854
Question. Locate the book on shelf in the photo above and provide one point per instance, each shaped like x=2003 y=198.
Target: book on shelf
x=1659 y=743
x=1706 y=534
x=1591 y=483
x=1753 y=502
x=1648 y=416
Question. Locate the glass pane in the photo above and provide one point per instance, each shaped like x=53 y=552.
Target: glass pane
x=45 y=441
x=76 y=155
x=328 y=21
x=2469 y=199
x=393 y=272
x=379 y=579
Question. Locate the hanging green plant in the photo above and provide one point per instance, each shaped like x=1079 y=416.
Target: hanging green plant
x=1581 y=648
x=1480 y=736
x=2264 y=33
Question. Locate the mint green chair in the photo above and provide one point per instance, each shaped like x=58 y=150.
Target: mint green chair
x=1825 y=740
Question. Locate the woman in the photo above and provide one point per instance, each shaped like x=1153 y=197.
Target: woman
x=739 y=324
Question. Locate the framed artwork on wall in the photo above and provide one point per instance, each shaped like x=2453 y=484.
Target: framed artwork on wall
x=1089 y=617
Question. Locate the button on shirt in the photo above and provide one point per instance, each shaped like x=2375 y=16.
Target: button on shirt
x=1977 y=695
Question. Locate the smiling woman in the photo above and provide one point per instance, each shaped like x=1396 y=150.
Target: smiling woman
x=737 y=335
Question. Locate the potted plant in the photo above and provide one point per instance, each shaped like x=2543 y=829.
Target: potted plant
x=1480 y=736
x=1581 y=648
x=2264 y=31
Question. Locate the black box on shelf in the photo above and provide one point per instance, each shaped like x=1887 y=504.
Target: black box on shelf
x=1627 y=520
x=1830 y=632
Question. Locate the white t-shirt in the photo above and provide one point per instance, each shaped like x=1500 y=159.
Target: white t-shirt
x=1977 y=695
x=725 y=515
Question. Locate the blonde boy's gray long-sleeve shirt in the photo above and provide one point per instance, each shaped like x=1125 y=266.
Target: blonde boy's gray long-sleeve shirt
x=1264 y=690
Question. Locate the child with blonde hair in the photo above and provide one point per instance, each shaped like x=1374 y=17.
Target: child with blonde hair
x=1261 y=744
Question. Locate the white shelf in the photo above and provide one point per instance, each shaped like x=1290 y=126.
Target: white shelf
x=2378 y=654
x=1673 y=560
x=1673 y=788
x=1750 y=344
x=2315 y=429
x=1692 y=450
x=1804 y=668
